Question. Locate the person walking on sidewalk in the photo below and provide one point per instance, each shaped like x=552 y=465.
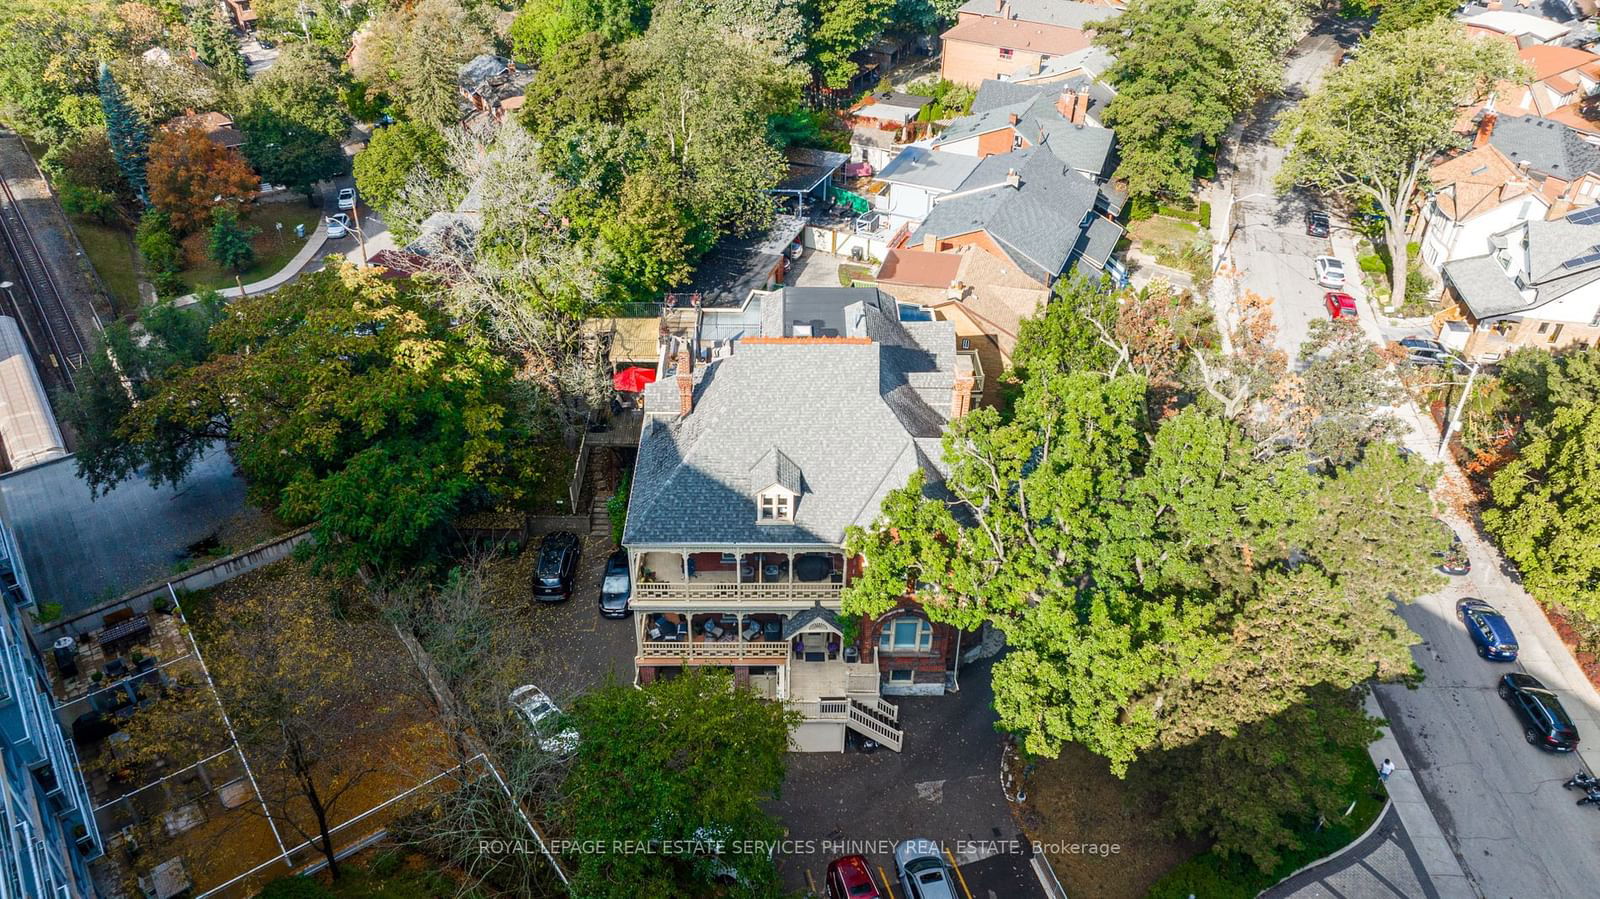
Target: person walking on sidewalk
x=1384 y=770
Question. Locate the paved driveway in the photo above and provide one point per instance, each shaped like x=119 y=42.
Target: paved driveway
x=945 y=785
x=576 y=649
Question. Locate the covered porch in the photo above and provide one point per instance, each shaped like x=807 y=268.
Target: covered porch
x=715 y=573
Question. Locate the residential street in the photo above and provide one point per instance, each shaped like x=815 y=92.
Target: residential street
x=1498 y=801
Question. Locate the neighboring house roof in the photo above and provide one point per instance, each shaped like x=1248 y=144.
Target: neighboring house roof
x=853 y=442
x=1572 y=115
x=1087 y=148
x=217 y=126
x=735 y=265
x=1549 y=147
x=480 y=69
x=1556 y=258
x=919 y=166
x=1061 y=13
x=1475 y=182
x=1040 y=224
x=809 y=168
x=1091 y=61
x=1548 y=60
x=1517 y=24
x=919 y=268
x=1017 y=35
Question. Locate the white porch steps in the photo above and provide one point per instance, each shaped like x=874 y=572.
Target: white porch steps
x=871 y=721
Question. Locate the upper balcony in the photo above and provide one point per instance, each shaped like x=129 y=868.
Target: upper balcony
x=770 y=576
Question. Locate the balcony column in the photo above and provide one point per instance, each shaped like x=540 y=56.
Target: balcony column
x=790 y=556
x=738 y=568
x=685 y=557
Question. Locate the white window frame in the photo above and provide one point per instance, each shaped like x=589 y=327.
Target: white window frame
x=775 y=506
x=888 y=635
x=902 y=675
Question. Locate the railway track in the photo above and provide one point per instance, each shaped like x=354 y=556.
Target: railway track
x=61 y=338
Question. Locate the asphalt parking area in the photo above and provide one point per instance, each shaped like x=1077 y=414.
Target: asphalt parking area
x=574 y=649
x=944 y=786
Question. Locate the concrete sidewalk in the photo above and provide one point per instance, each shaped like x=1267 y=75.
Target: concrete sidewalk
x=319 y=236
x=1432 y=849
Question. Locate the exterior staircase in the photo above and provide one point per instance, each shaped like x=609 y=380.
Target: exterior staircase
x=872 y=717
x=599 y=492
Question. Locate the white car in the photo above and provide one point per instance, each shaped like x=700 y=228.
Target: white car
x=338 y=225
x=1330 y=271
x=541 y=714
x=347 y=198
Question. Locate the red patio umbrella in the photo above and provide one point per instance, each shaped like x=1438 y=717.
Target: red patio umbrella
x=632 y=380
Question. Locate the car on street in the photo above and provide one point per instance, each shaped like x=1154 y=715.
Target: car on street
x=616 y=587
x=922 y=871
x=1489 y=630
x=1340 y=305
x=1453 y=559
x=557 y=566
x=1330 y=271
x=544 y=720
x=849 y=877
x=1545 y=723
x=347 y=198
x=1317 y=224
x=338 y=225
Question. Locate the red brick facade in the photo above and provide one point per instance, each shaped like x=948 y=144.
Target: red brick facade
x=926 y=667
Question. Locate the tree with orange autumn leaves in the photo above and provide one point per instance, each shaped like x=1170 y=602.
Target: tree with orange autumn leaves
x=190 y=174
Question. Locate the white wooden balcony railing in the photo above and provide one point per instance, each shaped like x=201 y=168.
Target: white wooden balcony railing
x=722 y=649
x=698 y=590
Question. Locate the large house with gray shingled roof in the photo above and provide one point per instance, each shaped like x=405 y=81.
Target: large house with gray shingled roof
x=1539 y=286
x=757 y=452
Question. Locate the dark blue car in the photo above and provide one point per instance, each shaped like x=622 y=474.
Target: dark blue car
x=1488 y=629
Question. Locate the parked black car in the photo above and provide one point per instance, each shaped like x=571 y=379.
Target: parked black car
x=557 y=567
x=616 y=587
x=1545 y=723
x=1317 y=224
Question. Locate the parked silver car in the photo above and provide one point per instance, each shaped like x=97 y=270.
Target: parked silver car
x=921 y=869
x=541 y=714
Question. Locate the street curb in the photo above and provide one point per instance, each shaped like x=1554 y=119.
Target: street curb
x=1341 y=851
x=1439 y=859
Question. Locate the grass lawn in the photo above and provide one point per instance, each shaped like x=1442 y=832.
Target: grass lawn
x=1161 y=229
x=850 y=274
x=111 y=252
x=1225 y=877
x=272 y=252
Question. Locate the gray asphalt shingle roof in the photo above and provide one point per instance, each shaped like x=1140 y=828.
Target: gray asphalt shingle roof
x=1062 y=13
x=1549 y=147
x=1037 y=224
x=847 y=417
x=1087 y=148
x=1561 y=257
x=922 y=167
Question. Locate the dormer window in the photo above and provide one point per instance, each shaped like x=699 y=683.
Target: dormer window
x=777 y=505
x=777 y=484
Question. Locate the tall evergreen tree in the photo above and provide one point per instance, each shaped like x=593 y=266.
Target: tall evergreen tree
x=128 y=133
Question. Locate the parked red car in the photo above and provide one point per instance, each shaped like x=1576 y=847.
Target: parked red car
x=1340 y=305
x=850 y=878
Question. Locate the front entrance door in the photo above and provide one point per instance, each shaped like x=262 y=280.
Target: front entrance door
x=814 y=647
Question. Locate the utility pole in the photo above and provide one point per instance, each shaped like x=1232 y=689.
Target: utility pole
x=361 y=238
x=1461 y=404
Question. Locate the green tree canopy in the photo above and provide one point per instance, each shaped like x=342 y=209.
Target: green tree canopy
x=1371 y=129
x=128 y=134
x=1184 y=71
x=294 y=120
x=228 y=243
x=414 y=55
x=839 y=28
x=544 y=27
x=687 y=759
x=1157 y=581
x=1546 y=509
x=347 y=403
x=392 y=157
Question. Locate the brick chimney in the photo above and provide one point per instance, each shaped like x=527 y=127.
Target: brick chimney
x=1485 y=129
x=1011 y=118
x=1081 y=112
x=999 y=6
x=1066 y=103
x=961 y=390
x=685 y=379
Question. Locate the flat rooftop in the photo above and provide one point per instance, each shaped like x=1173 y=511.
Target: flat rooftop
x=80 y=551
